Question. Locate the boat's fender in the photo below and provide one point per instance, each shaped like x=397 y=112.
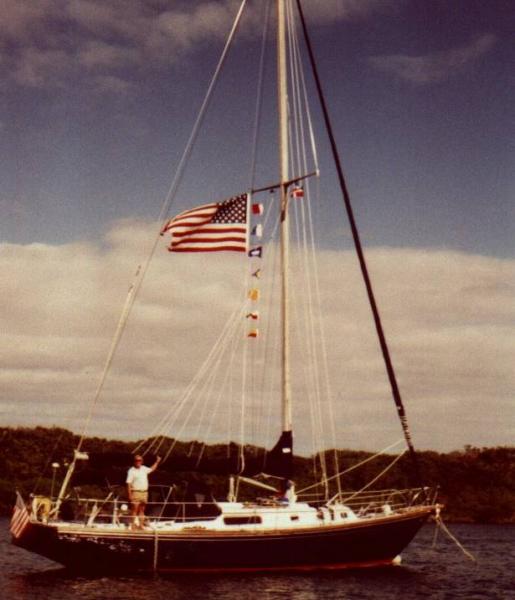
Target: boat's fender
x=41 y=506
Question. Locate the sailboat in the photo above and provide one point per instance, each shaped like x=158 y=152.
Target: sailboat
x=279 y=527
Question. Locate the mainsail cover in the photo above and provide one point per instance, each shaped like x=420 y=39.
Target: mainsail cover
x=279 y=460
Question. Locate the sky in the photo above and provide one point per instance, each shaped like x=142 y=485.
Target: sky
x=97 y=100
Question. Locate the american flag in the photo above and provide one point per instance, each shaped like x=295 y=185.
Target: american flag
x=213 y=227
x=20 y=517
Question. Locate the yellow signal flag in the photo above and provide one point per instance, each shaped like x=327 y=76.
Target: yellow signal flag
x=254 y=294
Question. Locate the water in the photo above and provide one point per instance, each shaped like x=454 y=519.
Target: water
x=440 y=573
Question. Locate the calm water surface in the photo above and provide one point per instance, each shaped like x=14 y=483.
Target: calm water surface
x=442 y=572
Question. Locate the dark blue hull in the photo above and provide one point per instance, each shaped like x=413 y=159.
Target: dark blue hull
x=370 y=542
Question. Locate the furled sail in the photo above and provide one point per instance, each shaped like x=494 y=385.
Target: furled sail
x=279 y=460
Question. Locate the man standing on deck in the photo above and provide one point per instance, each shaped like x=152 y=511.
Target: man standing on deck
x=137 y=489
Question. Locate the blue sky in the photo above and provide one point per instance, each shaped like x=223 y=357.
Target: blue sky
x=97 y=100
x=93 y=120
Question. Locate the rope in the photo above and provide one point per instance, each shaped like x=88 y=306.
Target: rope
x=270 y=381
x=310 y=240
x=214 y=412
x=313 y=313
x=141 y=271
x=229 y=394
x=366 y=460
x=203 y=384
x=241 y=464
x=259 y=97
x=209 y=386
x=361 y=257
x=435 y=536
x=236 y=322
x=306 y=339
x=50 y=457
x=385 y=470
x=206 y=391
x=443 y=526
x=129 y=301
x=168 y=419
x=225 y=383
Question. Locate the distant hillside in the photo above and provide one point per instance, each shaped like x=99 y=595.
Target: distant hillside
x=477 y=485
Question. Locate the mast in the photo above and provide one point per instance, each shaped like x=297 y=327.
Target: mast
x=282 y=87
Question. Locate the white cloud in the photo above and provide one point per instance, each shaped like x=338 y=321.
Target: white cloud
x=449 y=318
x=434 y=67
x=35 y=68
x=330 y=11
x=110 y=17
x=97 y=54
x=48 y=41
x=25 y=19
x=175 y=31
x=110 y=84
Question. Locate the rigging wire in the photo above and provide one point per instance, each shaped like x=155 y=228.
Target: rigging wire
x=50 y=457
x=245 y=352
x=230 y=347
x=234 y=348
x=361 y=257
x=235 y=323
x=214 y=412
x=253 y=163
x=259 y=96
x=142 y=269
x=204 y=390
x=166 y=422
x=305 y=239
x=311 y=237
x=376 y=478
x=353 y=467
x=270 y=379
x=255 y=139
x=208 y=389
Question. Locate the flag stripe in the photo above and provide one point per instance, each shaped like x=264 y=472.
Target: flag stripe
x=185 y=224
x=200 y=238
x=213 y=205
x=205 y=208
x=204 y=212
x=210 y=230
x=205 y=217
x=207 y=249
x=204 y=244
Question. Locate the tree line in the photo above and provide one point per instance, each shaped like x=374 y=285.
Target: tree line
x=476 y=485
